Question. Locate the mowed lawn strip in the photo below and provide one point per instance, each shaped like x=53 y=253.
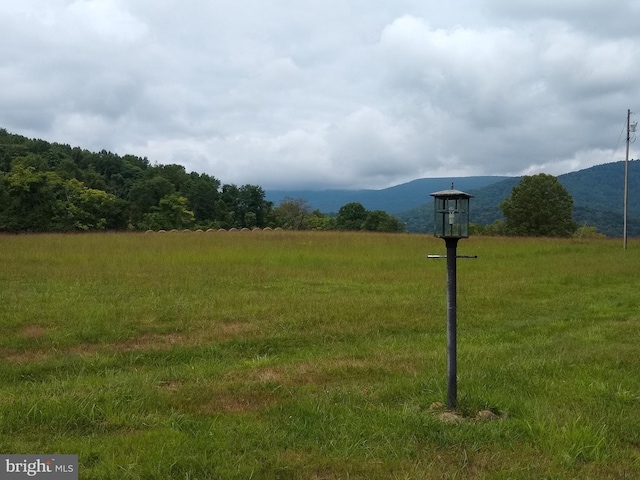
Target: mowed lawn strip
x=319 y=355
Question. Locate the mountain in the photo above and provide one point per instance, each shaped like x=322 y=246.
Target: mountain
x=393 y=200
x=597 y=193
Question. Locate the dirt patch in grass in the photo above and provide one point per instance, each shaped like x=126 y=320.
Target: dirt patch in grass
x=22 y=357
x=325 y=371
x=170 y=385
x=31 y=332
x=147 y=341
x=153 y=341
x=269 y=374
x=231 y=329
x=233 y=402
x=439 y=410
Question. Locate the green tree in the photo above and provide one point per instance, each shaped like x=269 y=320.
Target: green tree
x=146 y=193
x=319 y=221
x=539 y=206
x=381 y=221
x=176 y=174
x=202 y=191
x=33 y=200
x=250 y=220
x=351 y=216
x=240 y=201
x=171 y=212
x=91 y=209
x=121 y=182
x=251 y=200
x=229 y=205
x=293 y=214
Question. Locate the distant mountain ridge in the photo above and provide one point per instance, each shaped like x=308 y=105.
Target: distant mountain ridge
x=393 y=200
x=597 y=193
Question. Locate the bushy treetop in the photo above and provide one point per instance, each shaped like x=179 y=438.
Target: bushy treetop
x=539 y=206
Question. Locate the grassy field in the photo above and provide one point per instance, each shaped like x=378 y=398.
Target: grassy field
x=319 y=356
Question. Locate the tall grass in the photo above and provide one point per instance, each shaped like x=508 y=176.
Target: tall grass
x=319 y=355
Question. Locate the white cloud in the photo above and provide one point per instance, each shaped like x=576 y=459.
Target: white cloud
x=325 y=93
x=105 y=19
x=598 y=18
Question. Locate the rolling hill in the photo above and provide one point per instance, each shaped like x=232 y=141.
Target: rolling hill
x=393 y=200
x=597 y=193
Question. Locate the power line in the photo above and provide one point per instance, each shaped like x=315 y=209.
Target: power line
x=615 y=149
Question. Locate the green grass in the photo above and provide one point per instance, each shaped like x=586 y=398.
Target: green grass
x=319 y=355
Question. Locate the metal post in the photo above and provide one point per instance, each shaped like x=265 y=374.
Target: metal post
x=452 y=374
x=626 y=184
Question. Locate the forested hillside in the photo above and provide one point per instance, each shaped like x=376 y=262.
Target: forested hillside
x=53 y=187
x=597 y=193
x=49 y=187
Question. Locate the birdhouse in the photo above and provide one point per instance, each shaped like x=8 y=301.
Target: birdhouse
x=451 y=213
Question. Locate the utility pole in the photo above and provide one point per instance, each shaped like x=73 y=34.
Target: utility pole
x=630 y=129
x=626 y=183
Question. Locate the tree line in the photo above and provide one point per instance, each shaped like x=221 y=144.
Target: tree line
x=50 y=187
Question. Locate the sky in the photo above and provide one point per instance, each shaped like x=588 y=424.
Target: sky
x=318 y=94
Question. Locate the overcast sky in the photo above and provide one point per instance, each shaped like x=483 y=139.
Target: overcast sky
x=327 y=93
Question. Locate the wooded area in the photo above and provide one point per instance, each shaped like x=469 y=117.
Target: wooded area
x=49 y=187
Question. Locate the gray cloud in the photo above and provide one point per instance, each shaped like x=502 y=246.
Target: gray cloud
x=325 y=93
